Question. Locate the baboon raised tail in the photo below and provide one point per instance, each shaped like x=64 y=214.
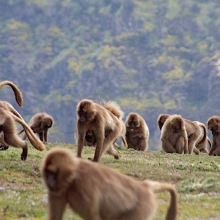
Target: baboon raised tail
x=17 y=92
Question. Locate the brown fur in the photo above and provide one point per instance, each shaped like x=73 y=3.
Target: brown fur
x=90 y=139
x=96 y=192
x=213 y=124
x=96 y=117
x=40 y=124
x=193 y=132
x=17 y=92
x=202 y=147
x=137 y=132
x=173 y=135
x=9 y=135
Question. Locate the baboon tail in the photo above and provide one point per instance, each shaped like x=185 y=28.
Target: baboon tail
x=210 y=144
x=204 y=133
x=38 y=144
x=160 y=187
x=114 y=108
x=124 y=142
x=17 y=92
x=21 y=131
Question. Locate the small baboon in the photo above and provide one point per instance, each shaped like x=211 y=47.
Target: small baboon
x=99 y=119
x=193 y=132
x=40 y=124
x=9 y=137
x=173 y=135
x=95 y=192
x=213 y=124
x=137 y=132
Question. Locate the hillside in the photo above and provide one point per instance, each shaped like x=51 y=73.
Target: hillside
x=196 y=178
x=150 y=56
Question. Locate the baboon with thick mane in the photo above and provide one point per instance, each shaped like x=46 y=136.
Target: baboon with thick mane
x=193 y=132
x=9 y=136
x=213 y=124
x=137 y=132
x=96 y=192
x=100 y=119
x=40 y=124
x=173 y=135
x=90 y=139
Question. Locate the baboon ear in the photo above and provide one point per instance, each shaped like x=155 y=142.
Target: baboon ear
x=209 y=124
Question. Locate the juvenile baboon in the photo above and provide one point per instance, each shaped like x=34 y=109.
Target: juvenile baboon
x=40 y=124
x=213 y=124
x=9 y=137
x=202 y=147
x=192 y=129
x=173 y=135
x=137 y=132
x=17 y=92
x=96 y=192
x=99 y=119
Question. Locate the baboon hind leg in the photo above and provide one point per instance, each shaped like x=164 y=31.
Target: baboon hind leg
x=15 y=141
x=111 y=150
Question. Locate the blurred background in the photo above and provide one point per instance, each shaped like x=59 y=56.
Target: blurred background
x=150 y=56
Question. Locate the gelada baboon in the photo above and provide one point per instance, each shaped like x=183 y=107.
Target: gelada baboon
x=193 y=132
x=40 y=123
x=173 y=135
x=137 y=132
x=213 y=124
x=96 y=192
x=90 y=138
x=7 y=106
x=99 y=119
x=202 y=147
x=9 y=136
x=17 y=92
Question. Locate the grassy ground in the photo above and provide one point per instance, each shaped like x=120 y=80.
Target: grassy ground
x=23 y=196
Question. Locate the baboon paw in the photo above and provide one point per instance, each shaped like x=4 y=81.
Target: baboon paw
x=116 y=157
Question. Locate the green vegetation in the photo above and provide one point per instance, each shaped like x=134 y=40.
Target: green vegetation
x=23 y=196
x=150 y=56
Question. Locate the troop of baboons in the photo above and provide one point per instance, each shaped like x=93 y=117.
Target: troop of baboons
x=93 y=191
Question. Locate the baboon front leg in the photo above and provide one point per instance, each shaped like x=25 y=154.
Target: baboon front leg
x=167 y=146
x=213 y=148
x=41 y=136
x=79 y=146
x=142 y=144
x=45 y=135
x=181 y=145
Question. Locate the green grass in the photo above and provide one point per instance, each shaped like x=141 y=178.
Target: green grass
x=23 y=196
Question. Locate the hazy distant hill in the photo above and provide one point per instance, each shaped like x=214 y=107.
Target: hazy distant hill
x=150 y=56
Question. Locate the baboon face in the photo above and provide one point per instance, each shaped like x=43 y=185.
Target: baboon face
x=176 y=125
x=86 y=111
x=53 y=172
x=133 y=122
x=214 y=125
